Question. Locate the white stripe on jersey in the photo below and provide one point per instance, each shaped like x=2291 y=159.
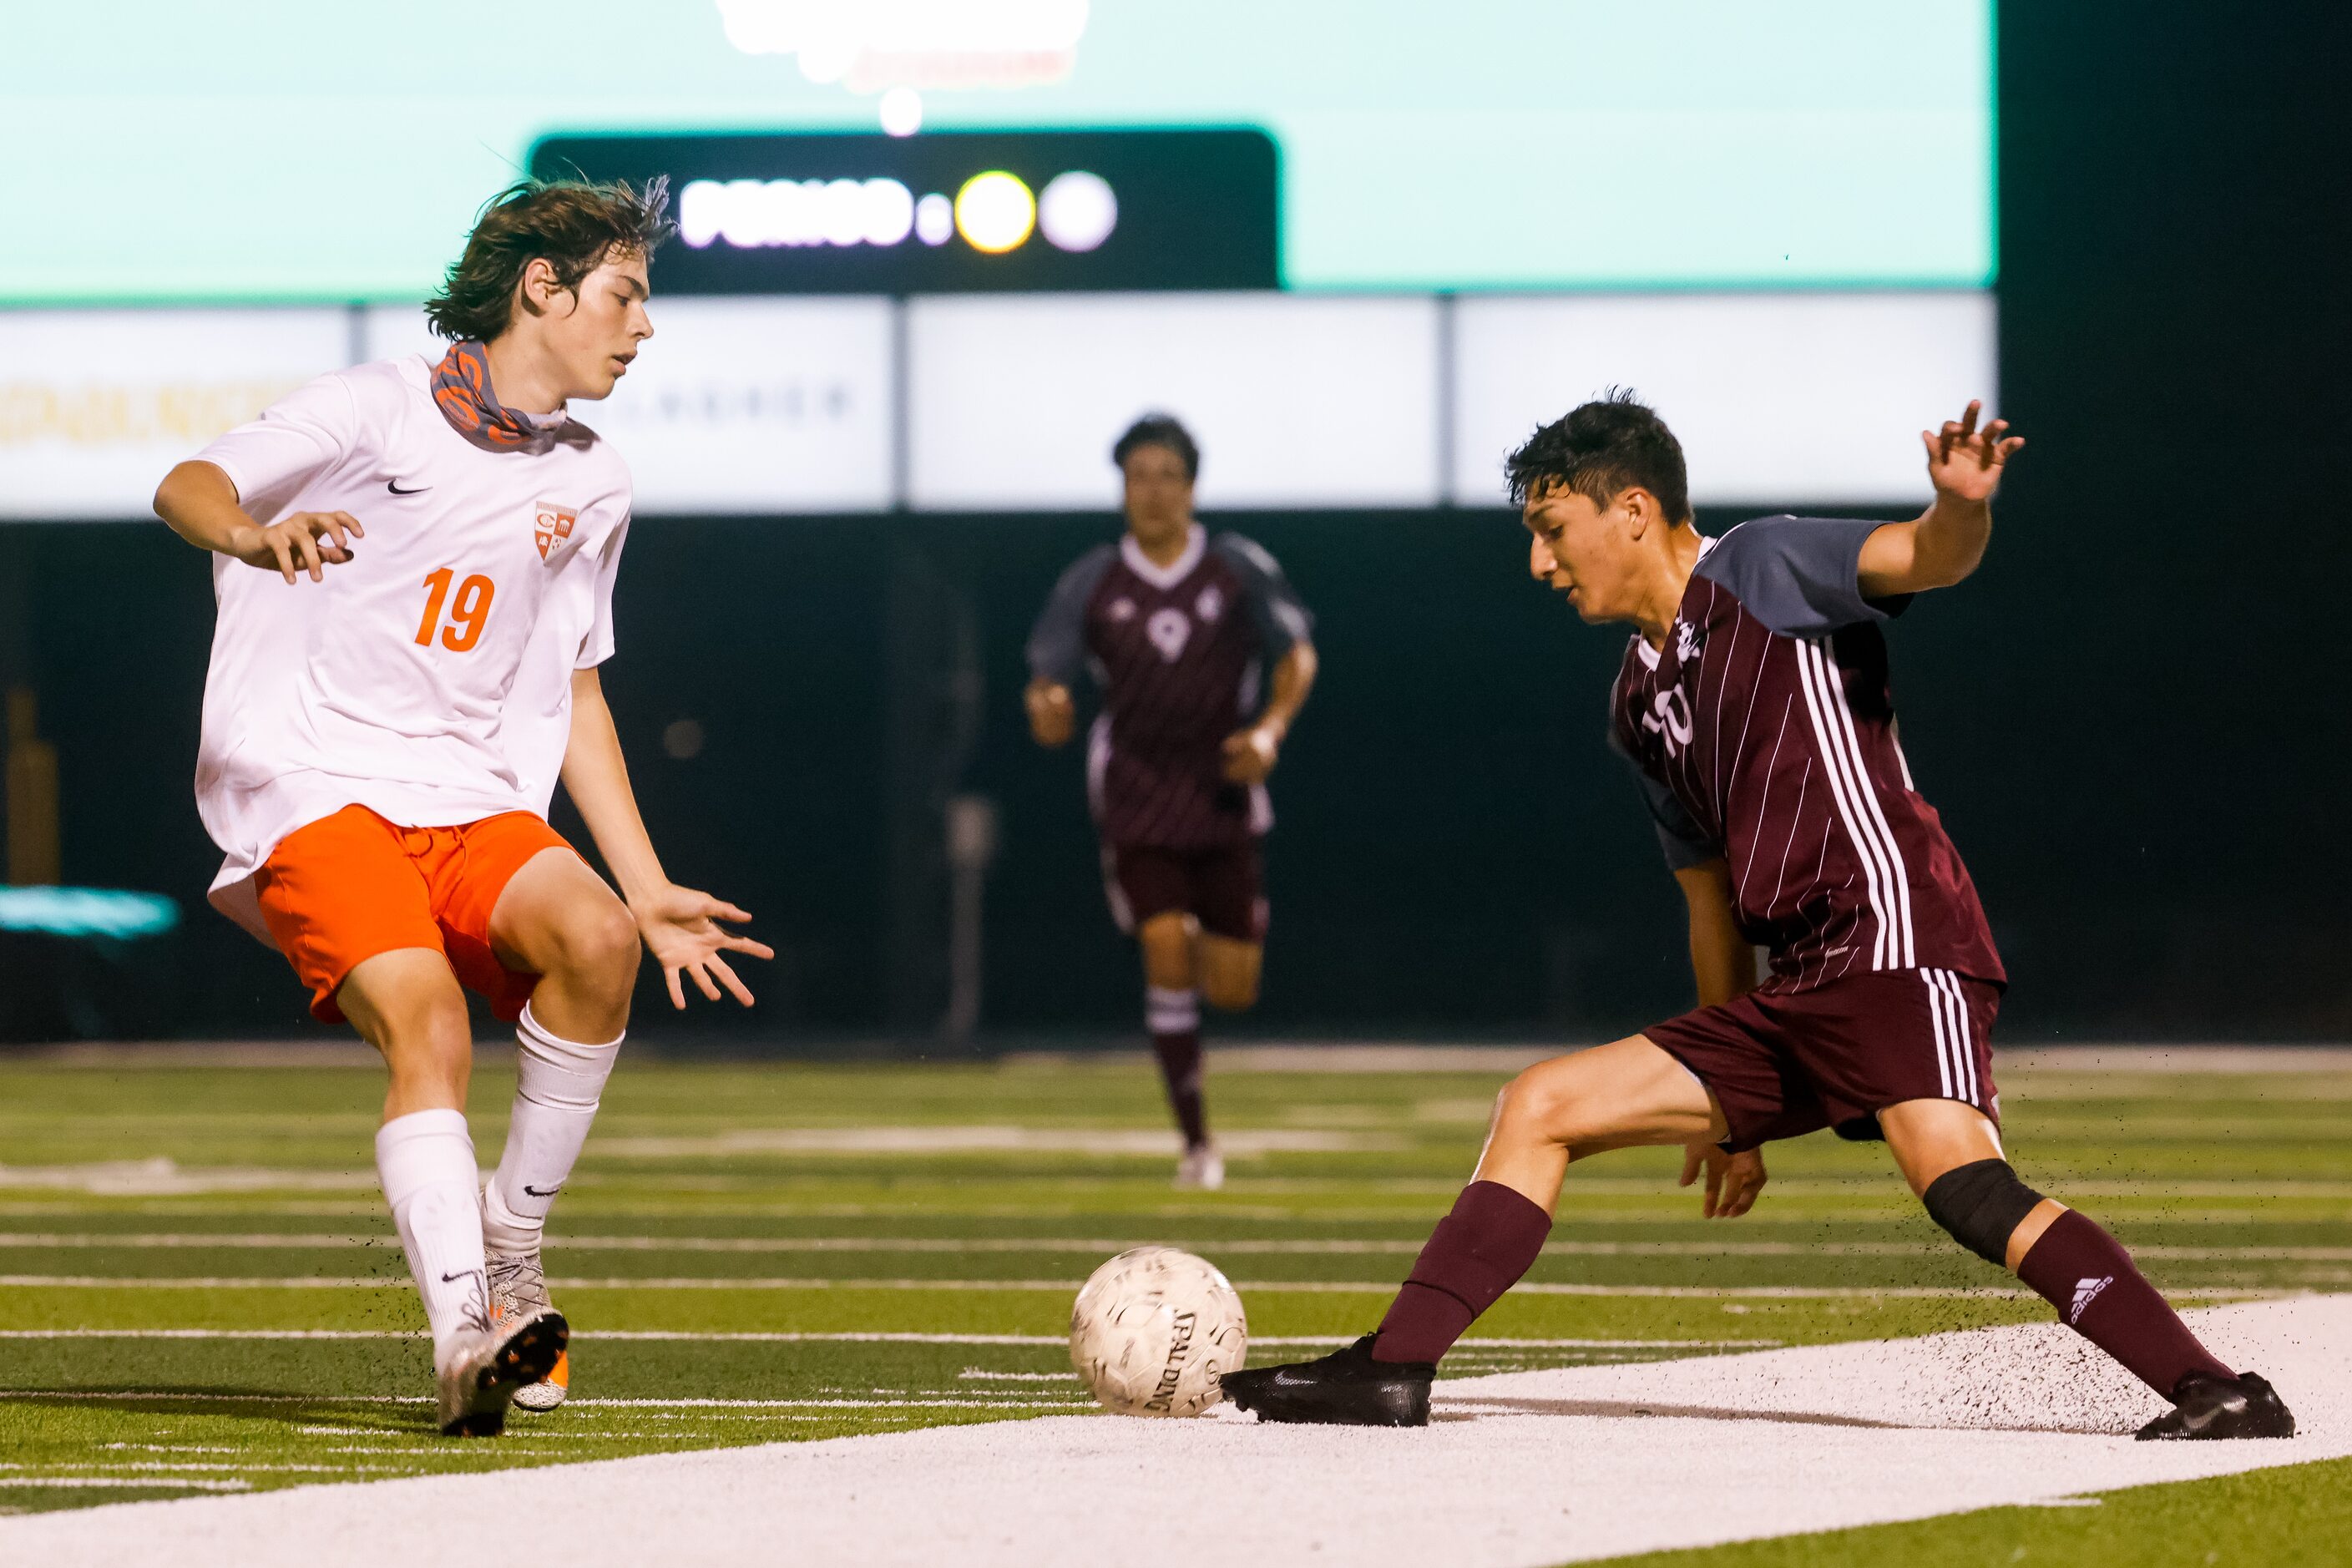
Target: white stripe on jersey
x=1834 y=764
x=1868 y=790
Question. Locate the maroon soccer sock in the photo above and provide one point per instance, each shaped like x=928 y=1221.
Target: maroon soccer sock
x=1475 y=1254
x=2100 y=1293
x=1174 y=1018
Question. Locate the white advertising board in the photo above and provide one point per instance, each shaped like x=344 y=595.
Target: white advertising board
x=1777 y=399
x=97 y=405
x=738 y=405
x=1297 y=401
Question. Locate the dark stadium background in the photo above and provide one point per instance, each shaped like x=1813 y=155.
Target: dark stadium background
x=2133 y=719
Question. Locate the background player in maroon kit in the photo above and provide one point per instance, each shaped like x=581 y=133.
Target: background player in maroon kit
x=1185 y=633
x=1754 y=704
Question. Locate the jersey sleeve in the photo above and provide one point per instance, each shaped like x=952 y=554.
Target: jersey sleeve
x=1800 y=575
x=1281 y=616
x=302 y=434
x=1057 y=643
x=597 y=646
x=1684 y=842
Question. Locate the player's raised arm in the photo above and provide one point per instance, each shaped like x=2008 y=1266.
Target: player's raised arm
x=680 y=925
x=1945 y=543
x=201 y=505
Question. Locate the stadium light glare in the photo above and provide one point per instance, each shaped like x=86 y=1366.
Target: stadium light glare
x=994 y=212
x=935 y=219
x=751 y=213
x=1077 y=211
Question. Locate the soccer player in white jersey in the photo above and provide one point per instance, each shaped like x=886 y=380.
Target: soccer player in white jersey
x=414 y=565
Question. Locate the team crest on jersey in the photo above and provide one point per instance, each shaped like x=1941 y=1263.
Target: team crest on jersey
x=550 y=524
x=1168 y=630
x=1688 y=640
x=1122 y=610
x=1210 y=604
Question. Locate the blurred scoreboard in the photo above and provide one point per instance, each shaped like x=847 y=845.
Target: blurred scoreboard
x=953 y=211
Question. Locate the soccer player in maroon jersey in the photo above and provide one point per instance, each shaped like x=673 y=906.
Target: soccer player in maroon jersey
x=1754 y=705
x=1203 y=656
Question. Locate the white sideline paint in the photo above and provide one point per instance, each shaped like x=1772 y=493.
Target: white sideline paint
x=1520 y=1469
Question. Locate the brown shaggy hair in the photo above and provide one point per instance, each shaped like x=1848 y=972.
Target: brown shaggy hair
x=573 y=225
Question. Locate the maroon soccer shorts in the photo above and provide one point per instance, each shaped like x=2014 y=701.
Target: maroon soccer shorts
x=1224 y=887
x=1783 y=1065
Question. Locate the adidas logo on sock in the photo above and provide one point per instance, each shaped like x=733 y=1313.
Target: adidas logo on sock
x=2085 y=1292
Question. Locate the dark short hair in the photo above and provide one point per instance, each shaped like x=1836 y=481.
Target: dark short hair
x=1598 y=449
x=573 y=225
x=1160 y=430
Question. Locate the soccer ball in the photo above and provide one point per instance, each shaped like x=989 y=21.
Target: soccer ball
x=1154 y=1331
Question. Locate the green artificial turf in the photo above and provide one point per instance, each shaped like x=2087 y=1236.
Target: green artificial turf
x=2298 y=1514
x=163 y=1230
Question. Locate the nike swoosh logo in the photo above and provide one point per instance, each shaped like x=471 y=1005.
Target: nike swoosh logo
x=536 y=1192
x=461 y=1274
x=393 y=486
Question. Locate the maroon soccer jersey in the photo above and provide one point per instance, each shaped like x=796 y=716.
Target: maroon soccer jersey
x=1764 y=736
x=1182 y=653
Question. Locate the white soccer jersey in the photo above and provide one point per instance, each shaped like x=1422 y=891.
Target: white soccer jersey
x=429 y=677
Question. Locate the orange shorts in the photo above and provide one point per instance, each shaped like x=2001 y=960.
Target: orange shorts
x=348 y=887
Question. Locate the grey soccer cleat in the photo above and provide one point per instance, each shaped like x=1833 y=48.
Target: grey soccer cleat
x=519 y=1289
x=2212 y=1408
x=1345 y=1389
x=486 y=1367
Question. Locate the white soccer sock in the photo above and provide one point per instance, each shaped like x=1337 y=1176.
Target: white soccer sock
x=427 y=1162
x=1168 y=1011
x=558 y=1084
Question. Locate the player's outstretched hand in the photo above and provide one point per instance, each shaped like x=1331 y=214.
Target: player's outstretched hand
x=1733 y=1181
x=682 y=931
x=1965 y=463
x=306 y=542
x=1053 y=715
x=1251 y=753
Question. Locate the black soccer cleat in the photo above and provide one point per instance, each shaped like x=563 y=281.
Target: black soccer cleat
x=2212 y=1408
x=484 y=1369
x=1345 y=1389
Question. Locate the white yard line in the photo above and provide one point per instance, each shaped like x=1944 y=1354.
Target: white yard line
x=1257 y=1287
x=319 y=1241
x=1521 y=1469
x=994 y=1138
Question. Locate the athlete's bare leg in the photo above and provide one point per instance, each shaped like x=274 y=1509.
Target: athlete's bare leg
x=1627 y=1094
x=1229 y=972
x=1931 y=1138
x=556 y=918
x=1168 y=957
x=407 y=1004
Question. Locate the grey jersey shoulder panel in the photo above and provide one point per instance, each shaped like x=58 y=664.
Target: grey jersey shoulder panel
x=1057 y=643
x=1280 y=614
x=1684 y=842
x=1800 y=575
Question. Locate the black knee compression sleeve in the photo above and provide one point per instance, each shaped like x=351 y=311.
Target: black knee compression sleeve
x=1981 y=1204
